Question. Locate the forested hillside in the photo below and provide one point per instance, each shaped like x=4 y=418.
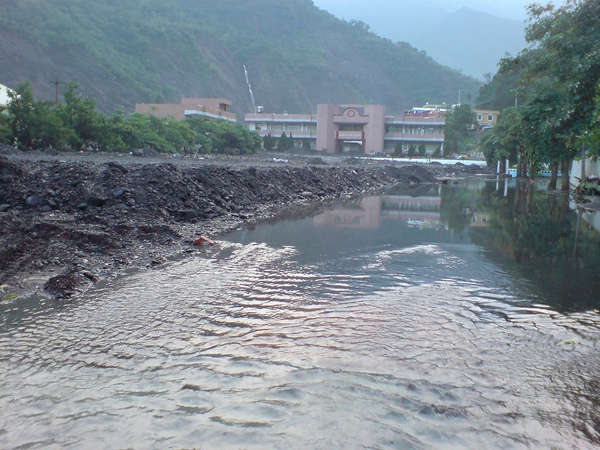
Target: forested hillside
x=297 y=55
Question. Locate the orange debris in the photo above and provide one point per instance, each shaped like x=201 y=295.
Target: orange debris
x=202 y=239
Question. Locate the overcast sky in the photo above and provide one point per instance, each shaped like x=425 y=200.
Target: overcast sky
x=510 y=9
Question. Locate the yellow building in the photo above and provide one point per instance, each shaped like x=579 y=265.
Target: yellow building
x=487 y=117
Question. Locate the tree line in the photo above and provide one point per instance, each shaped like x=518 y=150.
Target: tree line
x=75 y=124
x=549 y=93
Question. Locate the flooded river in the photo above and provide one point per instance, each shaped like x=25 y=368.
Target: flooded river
x=460 y=316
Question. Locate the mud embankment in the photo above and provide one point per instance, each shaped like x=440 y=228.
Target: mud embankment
x=67 y=223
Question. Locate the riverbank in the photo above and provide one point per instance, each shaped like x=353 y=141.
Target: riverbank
x=70 y=220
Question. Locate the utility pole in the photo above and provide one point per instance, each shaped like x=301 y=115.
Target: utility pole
x=56 y=84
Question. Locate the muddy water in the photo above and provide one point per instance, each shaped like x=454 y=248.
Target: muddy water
x=378 y=325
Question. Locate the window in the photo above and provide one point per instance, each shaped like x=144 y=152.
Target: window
x=490 y=117
x=351 y=127
x=480 y=117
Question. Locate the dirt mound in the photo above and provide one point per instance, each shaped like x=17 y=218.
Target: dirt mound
x=412 y=173
x=77 y=219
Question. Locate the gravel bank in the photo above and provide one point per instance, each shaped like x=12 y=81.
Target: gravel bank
x=70 y=220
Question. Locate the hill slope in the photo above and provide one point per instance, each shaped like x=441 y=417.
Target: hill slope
x=482 y=41
x=471 y=40
x=297 y=55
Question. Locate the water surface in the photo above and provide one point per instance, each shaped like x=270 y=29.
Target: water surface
x=399 y=321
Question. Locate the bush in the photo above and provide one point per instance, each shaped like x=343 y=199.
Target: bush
x=66 y=126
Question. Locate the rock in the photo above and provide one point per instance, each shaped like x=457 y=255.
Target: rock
x=148 y=151
x=4 y=207
x=34 y=200
x=119 y=192
x=96 y=201
x=61 y=286
x=6 y=149
x=119 y=167
x=187 y=215
x=316 y=161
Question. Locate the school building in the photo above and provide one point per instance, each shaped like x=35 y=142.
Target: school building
x=357 y=128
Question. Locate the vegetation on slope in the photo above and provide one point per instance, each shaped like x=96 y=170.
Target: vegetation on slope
x=297 y=56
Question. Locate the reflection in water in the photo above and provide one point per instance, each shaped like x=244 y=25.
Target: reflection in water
x=366 y=214
x=417 y=206
x=380 y=325
x=528 y=229
x=536 y=234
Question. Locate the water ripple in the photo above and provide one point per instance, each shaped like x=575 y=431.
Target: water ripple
x=247 y=348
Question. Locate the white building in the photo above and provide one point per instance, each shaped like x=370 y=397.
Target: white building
x=4 y=99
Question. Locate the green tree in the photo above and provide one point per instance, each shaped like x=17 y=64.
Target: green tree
x=79 y=115
x=560 y=74
x=147 y=131
x=285 y=143
x=460 y=123
x=225 y=137
x=269 y=142
x=500 y=91
x=182 y=136
x=20 y=111
x=113 y=132
x=5 y=132
x=545 y=133
x=505 y=140
x=34 y=124
x=422 y=149
x=570 y=36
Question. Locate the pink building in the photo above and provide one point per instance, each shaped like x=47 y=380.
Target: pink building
x=351 y=128
x=356 y=128
x=208 y=108
x=422 y=212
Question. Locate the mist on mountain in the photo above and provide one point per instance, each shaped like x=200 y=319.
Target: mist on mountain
x=471 y=38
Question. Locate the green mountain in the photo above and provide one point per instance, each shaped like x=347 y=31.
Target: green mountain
x=482 y=41
x=296 y=55
x=469 y=39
